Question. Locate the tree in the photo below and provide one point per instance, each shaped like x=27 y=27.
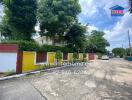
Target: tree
x=5 y=28
x=96 y=42
x=129 y=51
x=119 y=52
x=57 y=16
x=21 y=17
x=75 y=37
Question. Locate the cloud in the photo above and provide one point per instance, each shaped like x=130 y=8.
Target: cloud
x=88 y=5
x=118 y=35
x=97 y=13
x=90 y=28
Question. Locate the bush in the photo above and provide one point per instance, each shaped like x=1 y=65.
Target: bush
x=58 y=55
x=75 y=56
x=42 y=67
x=84 y=57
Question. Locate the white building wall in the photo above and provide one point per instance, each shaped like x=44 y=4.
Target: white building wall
x=44 y=40
x=8 y=62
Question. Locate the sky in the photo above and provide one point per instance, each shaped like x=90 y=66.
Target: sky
x=97 y=14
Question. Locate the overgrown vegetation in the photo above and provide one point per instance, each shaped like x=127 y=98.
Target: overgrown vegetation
x=33 y=46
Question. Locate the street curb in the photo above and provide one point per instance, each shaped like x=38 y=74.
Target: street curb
x=33 y=72
x=29 y=73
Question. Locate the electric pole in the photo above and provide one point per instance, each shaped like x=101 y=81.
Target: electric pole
x=129 y=38
x=130 y=2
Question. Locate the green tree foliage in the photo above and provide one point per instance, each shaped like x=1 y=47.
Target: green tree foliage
x=58 y=56
x=129 y=51
x=119 y=52
x=75 y=37
x=75 y=56
x=57 y=16
x=96 y=42
x=5 y=28
x=21 y=18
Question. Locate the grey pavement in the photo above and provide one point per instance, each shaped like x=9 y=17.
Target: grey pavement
x=18 y=89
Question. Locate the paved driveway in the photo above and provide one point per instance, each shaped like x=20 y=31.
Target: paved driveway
x=99 y=80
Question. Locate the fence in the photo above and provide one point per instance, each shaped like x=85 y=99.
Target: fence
x=11 y=59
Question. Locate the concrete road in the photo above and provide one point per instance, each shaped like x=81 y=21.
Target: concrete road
x=99 y=80
x=19 y=89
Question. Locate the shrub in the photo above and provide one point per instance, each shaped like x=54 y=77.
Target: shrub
x=58 y=56
x=75 y=56
x=84 y=57
x=42 y=67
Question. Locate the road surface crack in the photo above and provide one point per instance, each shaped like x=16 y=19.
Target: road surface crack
x=38 y=91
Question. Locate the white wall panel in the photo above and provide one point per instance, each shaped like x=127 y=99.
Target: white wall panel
x=8 y=62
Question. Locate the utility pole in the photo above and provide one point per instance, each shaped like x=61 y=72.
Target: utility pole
x=129 y=38
x=130 y=2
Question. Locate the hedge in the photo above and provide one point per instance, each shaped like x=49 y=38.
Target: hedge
x=33 y=46
x=49 y=48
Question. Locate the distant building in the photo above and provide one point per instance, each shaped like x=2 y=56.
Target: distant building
x=45 y=40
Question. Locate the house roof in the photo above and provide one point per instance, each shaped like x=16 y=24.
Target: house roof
x=117 y=7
